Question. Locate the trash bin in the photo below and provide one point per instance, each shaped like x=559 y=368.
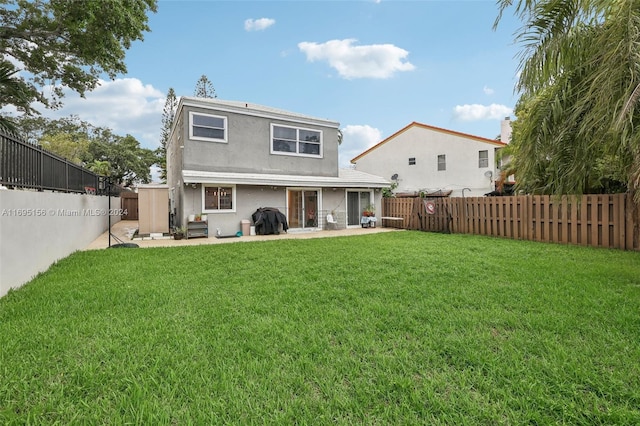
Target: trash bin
x=246 y=227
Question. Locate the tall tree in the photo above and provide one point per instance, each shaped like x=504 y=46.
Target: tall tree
x=67 y=43
x=130 y=163
x=580 y=87
x=108 y=154
x=204 y=88
x=11 y=91
x=168 y=116
x=34 y=128
x=73 y=147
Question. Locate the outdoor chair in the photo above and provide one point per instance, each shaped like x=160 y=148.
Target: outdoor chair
x=331 y=221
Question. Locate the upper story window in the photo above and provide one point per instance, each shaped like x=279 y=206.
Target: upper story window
x=207 y=127
x=442 y=162
x=412 y=161
x=296 y=141
x=483 y=159
x=218 y=199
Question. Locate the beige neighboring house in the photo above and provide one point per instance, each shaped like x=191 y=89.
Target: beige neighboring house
x=226 y=159
x=431 y=160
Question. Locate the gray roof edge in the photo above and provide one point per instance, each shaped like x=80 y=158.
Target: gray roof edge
x=255 y=109
x=265 y=179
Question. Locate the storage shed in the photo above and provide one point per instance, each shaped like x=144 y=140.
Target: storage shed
x=153 y=209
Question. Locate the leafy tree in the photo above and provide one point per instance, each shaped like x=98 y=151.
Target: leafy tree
x=67 y=43
x=204 y=88
x=580 y=87
x=73 y=147
x=168 y=115
x=11 y=91
x=34 y=128
x=129 y=162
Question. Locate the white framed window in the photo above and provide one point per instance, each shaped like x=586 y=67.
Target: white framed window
x=442 y=162
x=412 y=161
x=218 y=199
x=207 y=127
x=483 y=159
x=286 y=140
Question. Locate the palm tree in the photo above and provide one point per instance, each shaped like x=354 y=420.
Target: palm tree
x=100 y=167
x=580 y=87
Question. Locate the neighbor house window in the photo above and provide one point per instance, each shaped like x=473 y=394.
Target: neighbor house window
x=295 y=141
x=483 y=159
x=412 y=161
x=442 y=162
x=207 y=127
x=218 y=199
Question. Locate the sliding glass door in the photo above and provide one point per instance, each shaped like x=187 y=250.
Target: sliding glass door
x=357 y=201
x=302 y=207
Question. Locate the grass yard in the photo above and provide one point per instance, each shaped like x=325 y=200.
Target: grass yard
x=392 y=328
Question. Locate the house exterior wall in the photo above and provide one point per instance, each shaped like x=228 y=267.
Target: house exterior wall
x=245 y=149
x=425 y=145
x=248 y=148
x=248 y=200
x=251 y=198
x=175 y=147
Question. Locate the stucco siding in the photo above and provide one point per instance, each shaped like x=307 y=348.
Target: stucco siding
x=250 y=198
x=248 y=148
x=424 y=145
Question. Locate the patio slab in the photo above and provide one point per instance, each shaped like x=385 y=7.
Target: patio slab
x=125 y=229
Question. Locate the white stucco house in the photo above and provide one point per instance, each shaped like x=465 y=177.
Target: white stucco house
x=226 y=159
x=431 y=160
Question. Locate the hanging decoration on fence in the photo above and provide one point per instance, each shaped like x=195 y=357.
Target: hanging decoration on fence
x=430 y=207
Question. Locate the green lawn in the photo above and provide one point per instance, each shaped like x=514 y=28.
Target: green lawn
x=393 y=328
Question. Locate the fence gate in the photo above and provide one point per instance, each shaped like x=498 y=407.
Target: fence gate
x=129 y=203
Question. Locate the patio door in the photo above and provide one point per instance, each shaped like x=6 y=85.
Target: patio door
x=357 y=201
x=302 y=208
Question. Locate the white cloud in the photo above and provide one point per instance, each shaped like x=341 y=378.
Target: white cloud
x=488 y=90
x=355 y=140
x=477 y=112
x=371 y=61
x=258 y=24
x=126 y=106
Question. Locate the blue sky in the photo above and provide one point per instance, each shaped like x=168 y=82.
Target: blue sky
x=373 y=66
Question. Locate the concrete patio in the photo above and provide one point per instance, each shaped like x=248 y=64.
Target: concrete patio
x=125 y=228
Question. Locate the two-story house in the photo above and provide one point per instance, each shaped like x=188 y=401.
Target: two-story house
x=431 y=160
x=226 y=159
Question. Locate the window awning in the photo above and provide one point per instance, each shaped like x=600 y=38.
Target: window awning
x=347 y=178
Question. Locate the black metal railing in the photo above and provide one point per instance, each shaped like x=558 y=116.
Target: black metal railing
x=25 y=165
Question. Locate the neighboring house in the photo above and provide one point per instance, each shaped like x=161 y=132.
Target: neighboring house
x=430 y=160
x=227 y=159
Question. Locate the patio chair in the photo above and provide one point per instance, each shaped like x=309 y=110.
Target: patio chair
x=331 y=221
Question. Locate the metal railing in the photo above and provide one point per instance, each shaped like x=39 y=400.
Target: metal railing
x=27 y=166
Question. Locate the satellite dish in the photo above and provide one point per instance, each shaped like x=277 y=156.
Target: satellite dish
x=488 y=174
x=394 y=177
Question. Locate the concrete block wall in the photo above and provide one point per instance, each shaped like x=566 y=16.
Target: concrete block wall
x=40 y=228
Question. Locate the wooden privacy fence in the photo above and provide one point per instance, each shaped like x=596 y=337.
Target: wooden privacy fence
x=608 y=220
